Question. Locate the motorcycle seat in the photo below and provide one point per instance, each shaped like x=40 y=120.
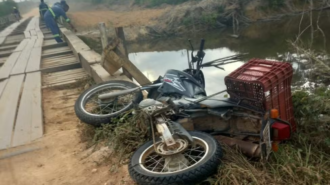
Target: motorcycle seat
x=217 y=103
x=211 y=103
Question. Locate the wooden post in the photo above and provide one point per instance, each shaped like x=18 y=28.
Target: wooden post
x=104 y=39
x=123 y=48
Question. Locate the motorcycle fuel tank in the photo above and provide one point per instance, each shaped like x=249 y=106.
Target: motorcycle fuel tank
x=178 y=82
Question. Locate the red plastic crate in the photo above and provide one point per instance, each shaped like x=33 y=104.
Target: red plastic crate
x=264 y=85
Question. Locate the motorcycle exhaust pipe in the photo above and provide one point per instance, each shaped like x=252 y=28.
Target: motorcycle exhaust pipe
x=248 y=148
x=112 y=95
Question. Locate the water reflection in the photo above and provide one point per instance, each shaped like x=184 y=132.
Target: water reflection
x=265 y=41
x=154 y=64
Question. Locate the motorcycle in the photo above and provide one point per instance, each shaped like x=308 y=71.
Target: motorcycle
x=177 y=106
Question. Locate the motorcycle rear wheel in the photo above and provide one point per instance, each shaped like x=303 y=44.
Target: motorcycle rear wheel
x=190 y=167
x=91 y=110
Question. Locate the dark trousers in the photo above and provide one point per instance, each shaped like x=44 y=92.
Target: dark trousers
x=52 y=25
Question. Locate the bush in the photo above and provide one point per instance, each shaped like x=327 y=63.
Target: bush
x=6 y=7
x=275 y=3
x=123 y=136
x=158 y=2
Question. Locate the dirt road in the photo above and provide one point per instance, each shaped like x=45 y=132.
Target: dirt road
x=61 y=158
x=33 y=12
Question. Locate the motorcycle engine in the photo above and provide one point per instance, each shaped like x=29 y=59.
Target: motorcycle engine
x=149 y=106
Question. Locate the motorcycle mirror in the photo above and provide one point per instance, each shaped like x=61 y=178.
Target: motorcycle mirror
x=192 y=49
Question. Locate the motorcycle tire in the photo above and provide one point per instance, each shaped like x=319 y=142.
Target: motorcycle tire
x=97 y=119
x=202 y=169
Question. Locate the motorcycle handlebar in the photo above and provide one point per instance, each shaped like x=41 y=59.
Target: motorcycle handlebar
x=201 y=48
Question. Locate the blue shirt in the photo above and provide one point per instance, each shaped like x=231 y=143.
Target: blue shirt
x=57 y=12
x=43 y=6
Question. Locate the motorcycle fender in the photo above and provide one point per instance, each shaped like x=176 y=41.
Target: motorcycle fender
x=176 y=128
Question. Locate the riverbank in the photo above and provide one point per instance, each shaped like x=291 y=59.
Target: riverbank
x=145 y=23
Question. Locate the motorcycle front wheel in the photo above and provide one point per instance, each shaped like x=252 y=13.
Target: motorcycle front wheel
x=193 y=165
x=89 y=109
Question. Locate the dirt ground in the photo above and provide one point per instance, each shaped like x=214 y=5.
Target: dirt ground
x=33 y=12
x=60 y=158
x=116 y=19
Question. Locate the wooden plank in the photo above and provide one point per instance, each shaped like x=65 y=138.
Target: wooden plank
x=128 y=65
x=22 y=45
x=56 y=54
x=3 y=60
x=33 y=32
x=56 y=50
x=23 y=59
x=7 y=31
x=27 y=34
x=8 y=106
x=58 y=57
x=31 y=25
x=10 y=47
x=5 y=53
x=40 y=35
x=9 y=64
x=34 y=60
x=61 y=73
x=2 y=39
x=122 y=47
x=21 y=63
x=37 y=23
x=38 y=43
x=2 y=85
x=29 y=123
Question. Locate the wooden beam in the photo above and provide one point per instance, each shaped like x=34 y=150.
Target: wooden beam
x=23 y=59
x=34 y=61
x=8 y=66
x=39 y=43
x=128 y=65
x=2 y=85
x=8 y=107
x=104 y=39
x=27 y=34
x=123 y=48
x=22 y=45
x=29 y=124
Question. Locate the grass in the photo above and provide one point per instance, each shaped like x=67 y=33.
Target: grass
x=303 y=160
x=124 y=136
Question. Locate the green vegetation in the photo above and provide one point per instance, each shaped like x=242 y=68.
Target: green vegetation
x=128 y=133
x=149 y=3
x=276 y=3
x=159 y=2
x=6 y=7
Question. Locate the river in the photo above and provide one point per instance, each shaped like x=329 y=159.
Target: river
x=268 y=40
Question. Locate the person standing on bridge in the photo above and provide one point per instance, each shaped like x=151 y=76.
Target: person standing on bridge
x=52 y=15
x=43 y=7
x=16 y=13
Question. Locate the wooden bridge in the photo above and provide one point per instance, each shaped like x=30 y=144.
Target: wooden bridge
x=30 y=60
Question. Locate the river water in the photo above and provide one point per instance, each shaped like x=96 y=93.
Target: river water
x=269 y=40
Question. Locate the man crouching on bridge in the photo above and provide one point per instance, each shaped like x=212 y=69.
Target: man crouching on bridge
x=54 y=13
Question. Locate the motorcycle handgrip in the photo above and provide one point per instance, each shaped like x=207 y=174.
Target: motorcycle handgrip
x=201 y=48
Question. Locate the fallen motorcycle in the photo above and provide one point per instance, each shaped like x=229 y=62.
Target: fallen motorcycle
x=177 y=154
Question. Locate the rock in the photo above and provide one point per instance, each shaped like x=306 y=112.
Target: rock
x=94 y=170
